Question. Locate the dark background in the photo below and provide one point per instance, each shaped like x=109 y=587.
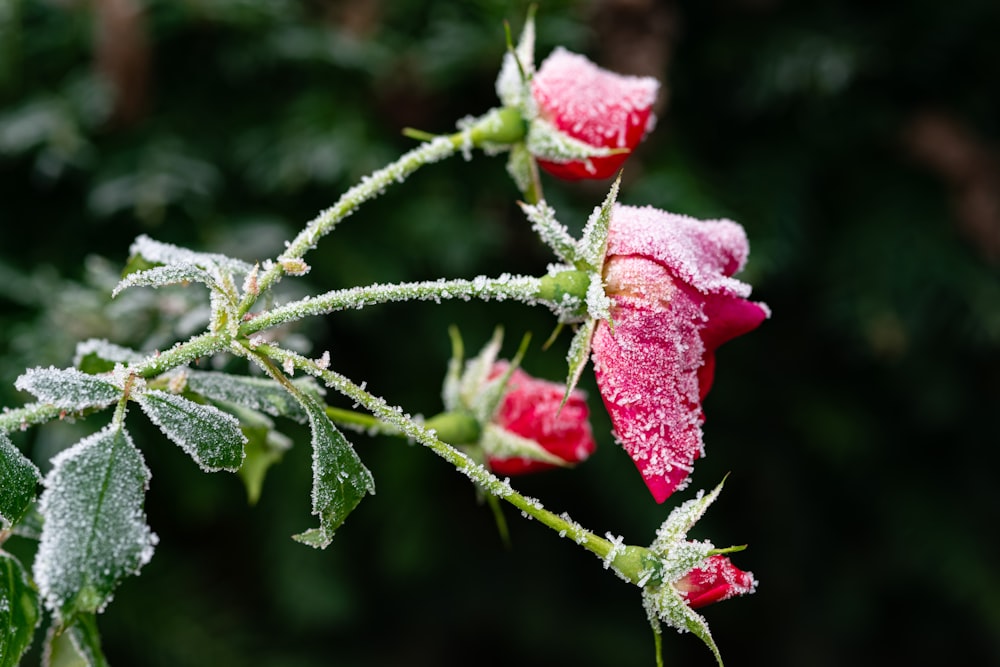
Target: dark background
x=855 y=141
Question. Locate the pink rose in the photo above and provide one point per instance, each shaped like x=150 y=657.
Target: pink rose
x=595 y=106
x=716 y=580
x=530 y=409
x=673 y=304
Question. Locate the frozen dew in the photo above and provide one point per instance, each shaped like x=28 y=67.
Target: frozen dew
x=165 y=253
x=19 y=478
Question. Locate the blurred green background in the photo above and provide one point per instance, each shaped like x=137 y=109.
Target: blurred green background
x=856 y=142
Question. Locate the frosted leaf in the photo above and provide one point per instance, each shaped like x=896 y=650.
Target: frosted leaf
x=579 y=352
x=68 y=388
x=210 y=436
x=263 y=394
x=97 y=355
x=594 y=242
x=682 y=518
x=18 y=479
x=19 y=610
x=79 y=645
x=94 y=531
x=477 y=371
x=552 y=232
x=340 y=480
x=664 y=604
x=159 y=276
x=166 y=253
x=451 y=391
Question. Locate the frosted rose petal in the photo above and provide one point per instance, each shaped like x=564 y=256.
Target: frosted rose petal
x=594 y=105
x=531 y=409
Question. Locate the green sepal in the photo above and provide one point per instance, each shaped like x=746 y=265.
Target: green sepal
x=578 y=354
x=19 y=479
x=593 y=243
x=20 y=610
x=681 y=519
x=340 y=480
x=501 y=443
x=78 y=645
x=664 y=604
x=94 y=532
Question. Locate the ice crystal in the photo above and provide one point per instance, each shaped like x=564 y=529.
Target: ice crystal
x=105 y=351
x=159 y=276
x=95 y=530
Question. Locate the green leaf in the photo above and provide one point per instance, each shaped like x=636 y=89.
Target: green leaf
x=95 y=530
x=19 y=610
x=18 y=479
x=68 y=388
x=340 y=480
x=210 y=436
x=256 y=393
x=79 y=645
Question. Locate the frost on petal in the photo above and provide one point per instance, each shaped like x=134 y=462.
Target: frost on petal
x=18 y=479
x=594 y=105
x=716 y=579
x=647 y=373
x=655 y=365
x=209 y=436
x=702 y=253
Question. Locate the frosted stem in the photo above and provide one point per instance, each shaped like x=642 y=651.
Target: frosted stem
x=497 y=127
x=519 y=288
x=631 y=562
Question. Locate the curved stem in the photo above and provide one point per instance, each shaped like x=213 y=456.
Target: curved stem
x=497 y=127
x=632 y=563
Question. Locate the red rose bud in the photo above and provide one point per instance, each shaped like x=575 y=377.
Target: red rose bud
x=717 y=579
x=602 y=109
x=529 y=431
x=673 y=303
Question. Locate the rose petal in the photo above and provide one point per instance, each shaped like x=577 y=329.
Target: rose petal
x=594 y=105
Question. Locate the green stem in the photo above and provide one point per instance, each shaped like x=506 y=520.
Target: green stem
x=630 y=562
x=562 y=291
x=499 y=126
